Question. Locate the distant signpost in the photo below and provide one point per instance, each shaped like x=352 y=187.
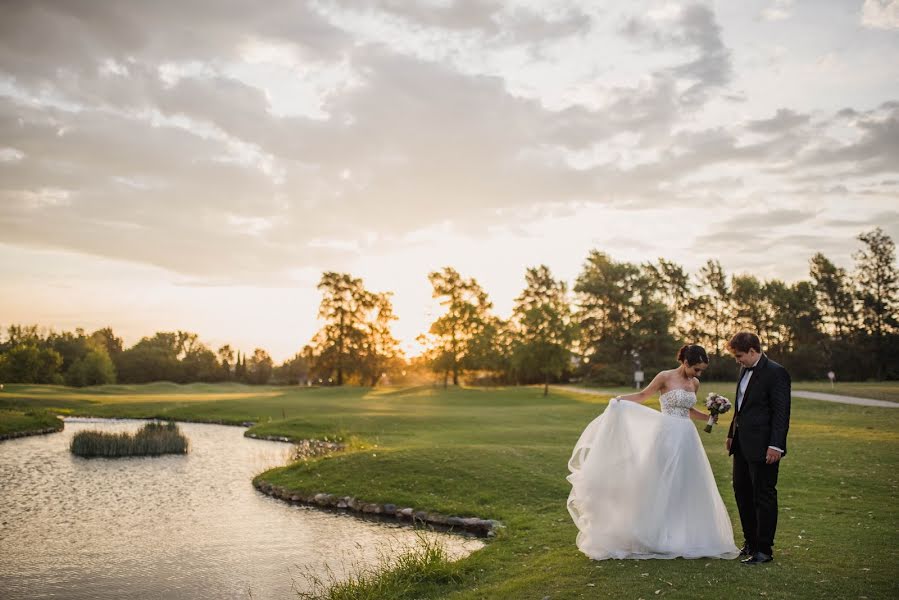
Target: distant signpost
x=638 y=379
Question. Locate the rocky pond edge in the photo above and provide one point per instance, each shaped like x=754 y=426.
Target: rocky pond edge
x=473 y=525
x=311 y=448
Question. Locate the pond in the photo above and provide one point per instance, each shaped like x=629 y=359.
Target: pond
x=171 y=527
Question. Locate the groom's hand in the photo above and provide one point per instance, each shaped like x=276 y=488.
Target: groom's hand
x=772 y=456
x=728 y=442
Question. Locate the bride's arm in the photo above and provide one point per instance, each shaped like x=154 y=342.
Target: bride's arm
x=648 y=392
x=695 y=414
x=699 y=416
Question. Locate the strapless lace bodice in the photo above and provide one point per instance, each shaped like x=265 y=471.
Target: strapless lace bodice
x=677 y=403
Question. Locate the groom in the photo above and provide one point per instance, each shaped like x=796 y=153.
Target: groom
x=758 y=440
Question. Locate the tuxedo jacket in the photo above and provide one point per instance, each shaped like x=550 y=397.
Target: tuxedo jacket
x=763 y=417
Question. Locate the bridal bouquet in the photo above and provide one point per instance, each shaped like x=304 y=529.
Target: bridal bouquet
x=717 y=405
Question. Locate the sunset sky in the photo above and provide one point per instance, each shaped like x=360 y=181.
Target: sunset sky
x=196 y=165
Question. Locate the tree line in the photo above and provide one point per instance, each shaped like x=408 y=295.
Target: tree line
x=621 y=317
x=618 y=317
x=29 y=354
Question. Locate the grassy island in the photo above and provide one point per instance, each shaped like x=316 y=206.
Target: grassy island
x=152 y=439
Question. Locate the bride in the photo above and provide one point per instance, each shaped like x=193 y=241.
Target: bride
x=641 y=482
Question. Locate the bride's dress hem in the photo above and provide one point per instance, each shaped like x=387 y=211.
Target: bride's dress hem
x=730 y=555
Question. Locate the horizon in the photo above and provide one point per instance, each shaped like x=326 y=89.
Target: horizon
x=159 y=180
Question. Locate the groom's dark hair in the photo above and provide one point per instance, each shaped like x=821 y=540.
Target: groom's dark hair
x=744 y=341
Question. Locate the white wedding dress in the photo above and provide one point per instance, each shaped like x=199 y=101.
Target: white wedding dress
x=642 y=486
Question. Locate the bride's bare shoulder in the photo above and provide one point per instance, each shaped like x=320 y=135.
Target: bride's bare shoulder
x=665 y=377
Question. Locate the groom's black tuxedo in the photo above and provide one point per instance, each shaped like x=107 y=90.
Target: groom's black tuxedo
x=761 y=420
x=763 y=416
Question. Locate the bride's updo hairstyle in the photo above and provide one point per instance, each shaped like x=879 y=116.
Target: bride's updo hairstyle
x=693 y=354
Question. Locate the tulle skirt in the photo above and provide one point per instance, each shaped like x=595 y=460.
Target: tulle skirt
x=642 y=487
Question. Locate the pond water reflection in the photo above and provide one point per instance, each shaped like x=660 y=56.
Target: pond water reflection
x=169 y=527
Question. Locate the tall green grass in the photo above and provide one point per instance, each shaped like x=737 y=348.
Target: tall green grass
x=152 y=439
x=427 y=564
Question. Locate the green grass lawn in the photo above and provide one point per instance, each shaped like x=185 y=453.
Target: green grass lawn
x=877 y=390
x=502 y=454
x=22 y=421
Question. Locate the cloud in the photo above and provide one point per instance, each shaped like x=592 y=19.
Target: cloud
x=699 y=28
x=880 y=14
x=695 y=29
x=767 y=220
x=783 y=121
x=875 y=149
x=778 y=10
x=294 y=136
x=75 y=36
x=508 y=21
x=887 y=219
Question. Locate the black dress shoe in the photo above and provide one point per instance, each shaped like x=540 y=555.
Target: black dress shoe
x=757 y=558
x=746 y=550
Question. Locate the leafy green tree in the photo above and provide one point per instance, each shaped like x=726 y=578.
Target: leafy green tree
x=485 y=348
x=504 y=343
x=27 y=363
x=877 y=282
x=758 y=306
x=71 y=346
x=437 y=355
x=240 y=370
x=463 y=337
x=225 y=357
x=107 y=338
x=344 y=306
x=542 y=325
x=292 y=371
x=749 y=305
x=673 y=288
x=259 y=369
x=19 y=335
x=623 y=325
x=833 y=296
x=94 y=368
x=199 y=363
x=777 y=298
x=380 y=350
x=715 y=305
x=877 y=291
x=803 y=347
x=152 y=359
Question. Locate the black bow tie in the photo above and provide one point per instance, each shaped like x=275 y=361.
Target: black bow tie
x=749 y=369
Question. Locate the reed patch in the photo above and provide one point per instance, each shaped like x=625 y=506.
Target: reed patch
x=153 y=439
